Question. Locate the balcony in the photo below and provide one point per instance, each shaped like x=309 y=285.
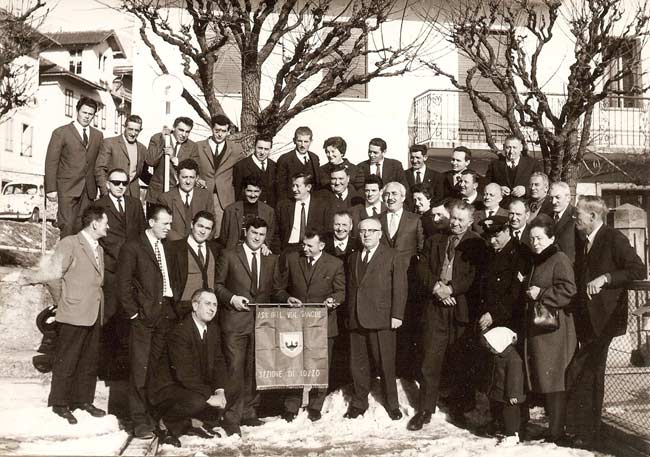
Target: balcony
x=444 y=119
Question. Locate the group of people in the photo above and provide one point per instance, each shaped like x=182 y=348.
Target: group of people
x=424 y=274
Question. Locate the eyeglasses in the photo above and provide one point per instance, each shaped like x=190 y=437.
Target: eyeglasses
x=117 y=182
x=369 y=231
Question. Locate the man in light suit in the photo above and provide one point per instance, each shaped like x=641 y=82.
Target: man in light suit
x=564 y=216
x=77 y=266
x=125 y=152
x=178 y=147
x=605 y=262
x=312 y=276
x=376 y=297
x=146 y=295
x=217 y=157
x=235 y=216
x=186 y=200
x=244 y=276
x=300 y=160
x=70 y=167
x=380 y=165
x=261 y=165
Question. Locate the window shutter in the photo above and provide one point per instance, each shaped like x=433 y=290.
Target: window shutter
x=358 y=66
x=227 y=70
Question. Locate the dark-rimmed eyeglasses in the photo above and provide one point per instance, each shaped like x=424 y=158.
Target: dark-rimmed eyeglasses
x=117 y=182
x=369 y=231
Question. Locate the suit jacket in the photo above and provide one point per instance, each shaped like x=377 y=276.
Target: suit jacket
x=247 y=167
x=545 y=208
x=311 y=285
x=178 y=259
x=181 y=222
x=187 y=150
x=69 y=166
x=356 y=176
x=181 y=363
x=380 y=295
x=468 y=258
x=565 y=236
x=481 y=215
x=288 y=165
x=431 y=180
x=315 y=218
x=605 y=314
x=113 y=154
x=233 y=277
x=233 y=222
x=333 y=204
x=498 y=172
x=409 y=238
x=392 y=170
x=81 y=278
x=140 y=280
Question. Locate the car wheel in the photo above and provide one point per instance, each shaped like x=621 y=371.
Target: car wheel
x=35 y=216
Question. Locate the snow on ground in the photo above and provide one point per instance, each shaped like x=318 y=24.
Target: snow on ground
x=30 y=428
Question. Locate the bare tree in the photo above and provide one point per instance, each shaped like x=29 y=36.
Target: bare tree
x=322 y=43
x=505 y=41
x=18 y=38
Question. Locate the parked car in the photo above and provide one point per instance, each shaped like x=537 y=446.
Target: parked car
x=24 y=201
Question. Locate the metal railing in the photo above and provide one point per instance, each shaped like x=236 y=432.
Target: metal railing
x=440 y=118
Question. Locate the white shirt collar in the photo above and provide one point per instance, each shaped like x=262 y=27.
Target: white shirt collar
x=200 y=326
x=317 y=257
x=371 y=252
x=258 y=162
x=194 y=245
x=561 y=213
x=305 y=201
x=472 y=198
x=398 y=213
x=515 y=163
x=182 y=194
x=216 y=147
x=81 y=128
x=94 y=244
x=341 y=244
x=593 y=234
x=301 y=157
x=152 y=239
x=344 y=194
x=114 y=200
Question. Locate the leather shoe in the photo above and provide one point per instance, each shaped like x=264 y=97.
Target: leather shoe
x=313 y=415
x=65 y=413
x=252 y=422
x=417 y=422
x=353 y=412
x=91 y=409
x=172 y=440
x=201 y=433
x=231 y=429
x=213 y=433
x=143 y=432
x=288 y=416
x=395 y=414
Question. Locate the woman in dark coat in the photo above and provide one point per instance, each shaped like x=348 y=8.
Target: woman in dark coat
x=548 y=353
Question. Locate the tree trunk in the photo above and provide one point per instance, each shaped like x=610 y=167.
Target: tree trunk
x=250 y=110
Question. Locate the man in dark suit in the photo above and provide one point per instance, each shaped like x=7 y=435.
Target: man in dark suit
x=468 y=189
x=378 y=164
x=217 y=155
x=538 y=199
x=70 y=167
x=125 y=222
x=518 y=218
x=513 y=173
x=300 y=160
x=77 y=271
x=185 y=200
x=125 y=152
x=193 y=261
x=178 y=147
x=188 y=380
x=605 y=262
x=335 y=148
x=146 y=295
x=236 y=215
x=244 y=276
x=376 y=297
x=564 y=216
x=311 y=277
x=340 y=194
x=301 y=212
x=449 y=271
x=420 y=174
x=372 y=205
x=461 y=157
x=258 y=164
x=491 y=198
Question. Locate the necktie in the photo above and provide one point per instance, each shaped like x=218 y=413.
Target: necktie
x=518 y=234
x=303 y=222
x=466 y=200
x=201 y=257
x=366 y=256
x=377 y=170
x=340 y=246
x=556 y=217
x=587 y=246
x=310 y=262
x=160 y=265
x=263 y=166
x=457 y=179
x=392 y=225
x=119 y=205
x=451 y=247
x=254 y=274
x=204 y=335
x=418 y=180
x=306 y=159
x=176 y=146
x=85 y=138
x=374 y=211
x=511 y=165
x=187 y=199
x=339 y=196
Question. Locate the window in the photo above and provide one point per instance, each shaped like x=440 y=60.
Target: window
x=626 y=55
x=75 y=62
x=96 y=116
x=26 y=140
x=69 y=102
x=9 y=135
x=116 y=122
x=358 y=66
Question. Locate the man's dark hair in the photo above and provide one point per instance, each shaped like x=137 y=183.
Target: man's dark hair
x=303 y=131
x=197 y=293
x=205 y=215
x=374 y=179
x=522 y=201
x=264 y=137
x=256 y=222
x=342 y=213
x=419 y=188
x=466 y=150
x=188 y=164
x=116 y=170
x=341 y=167
x=336 y=142
x=133 y=118
x=513 y=138
x=252 y=180
x=87 y=101
x=419 y=148
x=185 y=120
x=378 y=142
x=474 y=174
x=307 y=178
x=312 y=232
x=155 y=209
x=91 y=214
x=220 y=119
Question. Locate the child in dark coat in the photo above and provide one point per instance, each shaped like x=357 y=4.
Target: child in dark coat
x=505 y=381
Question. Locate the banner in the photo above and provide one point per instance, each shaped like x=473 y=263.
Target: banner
x=291 y=346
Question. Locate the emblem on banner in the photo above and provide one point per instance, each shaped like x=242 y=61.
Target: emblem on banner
x=291 y=343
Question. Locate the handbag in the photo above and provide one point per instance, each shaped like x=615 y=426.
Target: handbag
x=545 y=317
